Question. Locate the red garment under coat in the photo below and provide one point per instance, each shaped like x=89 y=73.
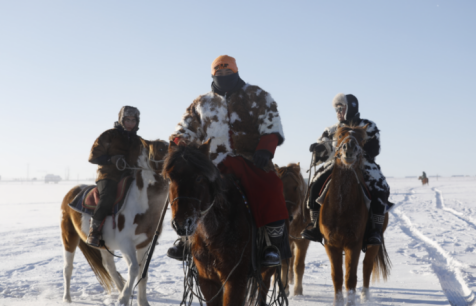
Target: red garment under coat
x=264 y=190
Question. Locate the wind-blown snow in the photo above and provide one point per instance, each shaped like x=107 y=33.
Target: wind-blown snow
x=430 y=240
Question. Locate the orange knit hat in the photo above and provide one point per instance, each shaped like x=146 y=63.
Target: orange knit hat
x=223 y=62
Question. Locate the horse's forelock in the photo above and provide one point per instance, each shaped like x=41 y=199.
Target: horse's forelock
x=193 y=157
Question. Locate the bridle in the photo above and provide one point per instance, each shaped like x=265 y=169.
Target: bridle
x=202 y=213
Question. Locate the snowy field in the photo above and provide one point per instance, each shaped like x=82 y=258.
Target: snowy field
x=431 y=240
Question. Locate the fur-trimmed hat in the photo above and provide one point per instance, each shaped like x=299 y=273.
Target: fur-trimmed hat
x=224 y=62
x=350 y=101
x=129 y=111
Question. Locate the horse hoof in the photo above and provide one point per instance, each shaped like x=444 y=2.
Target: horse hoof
x=67 y=299
x=298 y=291
x=143 y=303
x=365 y=295
x=339 y=299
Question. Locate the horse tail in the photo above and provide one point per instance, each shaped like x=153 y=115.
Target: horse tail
x=382 y=264
x=94 y=258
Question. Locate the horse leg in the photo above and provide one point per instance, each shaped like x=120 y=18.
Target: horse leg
x=299 y=265
x=210 y=289
x=287 y=272
x=70 y=240
x=263 y=291
x=369 y=261
x=352 y=256
x=335 y=257
x=110 y=265
x=129 y=254
x=142 y=296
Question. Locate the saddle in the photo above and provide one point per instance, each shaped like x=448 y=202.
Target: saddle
x=86 y=201
x=325 y=187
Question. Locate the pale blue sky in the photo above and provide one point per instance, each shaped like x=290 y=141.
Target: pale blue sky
x=67 y=67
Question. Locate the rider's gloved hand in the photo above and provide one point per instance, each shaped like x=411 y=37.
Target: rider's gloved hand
x=317 y=147
x=261 y=158
x=116 y=158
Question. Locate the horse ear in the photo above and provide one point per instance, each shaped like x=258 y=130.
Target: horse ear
x=205 y=147
x=172 y=145
x=299 y=164
x=276 y=166
x=297 y=167
x=365 y=127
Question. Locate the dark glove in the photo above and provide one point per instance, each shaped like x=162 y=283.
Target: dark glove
x=317 y=147
x=261 y=158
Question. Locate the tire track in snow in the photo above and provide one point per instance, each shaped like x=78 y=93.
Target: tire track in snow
x=446 y=268
x=440 y=204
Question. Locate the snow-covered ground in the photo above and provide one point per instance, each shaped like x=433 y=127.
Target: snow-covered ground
x=431 y=240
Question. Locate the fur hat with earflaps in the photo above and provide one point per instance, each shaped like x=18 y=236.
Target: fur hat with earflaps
x=350 y=101
x=129 y=111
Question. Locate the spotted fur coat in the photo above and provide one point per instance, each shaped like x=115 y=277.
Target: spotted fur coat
x=248 y=113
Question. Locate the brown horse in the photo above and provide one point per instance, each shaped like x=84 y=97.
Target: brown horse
x=424 y=180
x=132 y=234
x=210 y=210
x=294 y=193
x=343 y=218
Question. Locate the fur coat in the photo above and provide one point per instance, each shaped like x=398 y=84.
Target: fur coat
x=113 y=142
x=235 y=123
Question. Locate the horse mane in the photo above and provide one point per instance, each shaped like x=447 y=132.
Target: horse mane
x=360 y=133
x=193 y=156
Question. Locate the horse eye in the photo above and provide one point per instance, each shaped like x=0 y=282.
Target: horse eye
x=340 y=136
x=199 y=179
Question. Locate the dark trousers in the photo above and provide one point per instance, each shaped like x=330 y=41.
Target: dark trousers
x=107 y=196
x=316 y=188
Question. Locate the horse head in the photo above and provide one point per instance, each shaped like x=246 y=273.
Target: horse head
x=154 y=153
x=195 y=185
x=293 y=185
x=350 y=142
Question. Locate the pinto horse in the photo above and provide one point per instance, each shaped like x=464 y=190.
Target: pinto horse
x=294 y=193
x=210 y=210
x=134 y=228
x=424 y=180
x=344 y=216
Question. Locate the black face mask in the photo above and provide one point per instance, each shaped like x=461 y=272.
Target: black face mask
x=227 y=84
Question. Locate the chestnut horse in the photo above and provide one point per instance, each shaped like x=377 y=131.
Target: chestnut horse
x=210 y=210
x=344 y=215
x=294 y=193
x=424 y=180
x=134 y=228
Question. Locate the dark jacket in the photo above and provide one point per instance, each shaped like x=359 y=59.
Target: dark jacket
x=113 y=142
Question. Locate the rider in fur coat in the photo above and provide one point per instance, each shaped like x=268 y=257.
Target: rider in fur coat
x=113 y=148
x=244 y=126
x=347 y=108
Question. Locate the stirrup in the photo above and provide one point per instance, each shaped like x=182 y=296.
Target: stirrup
x=177 y=250
x=271 y=263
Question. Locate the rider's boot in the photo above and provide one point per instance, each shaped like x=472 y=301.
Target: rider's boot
x=271 y=254
x=176 y=251
x=313 y=234
x=375 y=237
x=95 y=230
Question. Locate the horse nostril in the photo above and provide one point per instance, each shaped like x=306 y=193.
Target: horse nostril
x=188 y=222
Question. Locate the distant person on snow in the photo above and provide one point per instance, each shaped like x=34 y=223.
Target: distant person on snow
x=113 y=148
x=423 y=176
x=347 y=109
x=244 y=126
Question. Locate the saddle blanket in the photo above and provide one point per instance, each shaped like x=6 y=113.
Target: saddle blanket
x=87 y=200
